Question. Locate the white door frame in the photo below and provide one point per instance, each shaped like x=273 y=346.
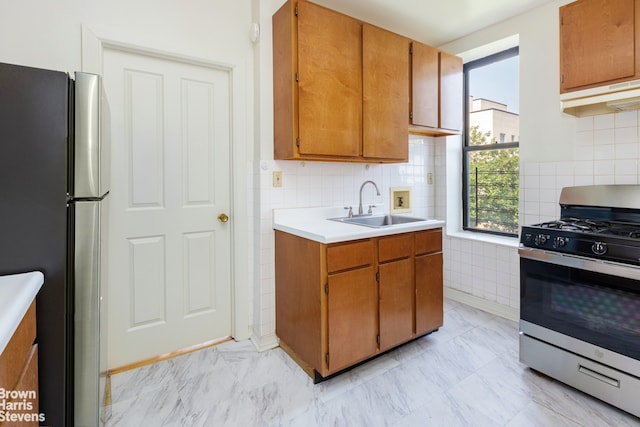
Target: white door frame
x=92 y=62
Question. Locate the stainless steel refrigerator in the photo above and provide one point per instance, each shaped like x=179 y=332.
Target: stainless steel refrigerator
x=53 y=210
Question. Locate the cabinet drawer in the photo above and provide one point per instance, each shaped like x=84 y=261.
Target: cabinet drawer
x=395 y=247
x=349 y=255
x=428 y=241
x=13 y=358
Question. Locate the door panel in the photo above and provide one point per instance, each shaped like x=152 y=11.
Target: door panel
x=396 y=303
x=450 y=91
x=425 y=83
x=597 y=42
x=385 y=89
x=429 y=293
x=352 y=317
x=330 y=69
x=170 y=285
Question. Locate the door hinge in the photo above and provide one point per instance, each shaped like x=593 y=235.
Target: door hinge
x=410 y=49
x=298 y=142
x=562 y=78
x=326 y=359
x=378 y=276
x=411 y=115
x=561 y=20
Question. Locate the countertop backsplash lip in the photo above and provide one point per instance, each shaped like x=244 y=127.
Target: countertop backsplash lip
x=314 y=224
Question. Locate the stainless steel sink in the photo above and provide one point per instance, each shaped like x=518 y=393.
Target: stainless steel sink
x=379 y=221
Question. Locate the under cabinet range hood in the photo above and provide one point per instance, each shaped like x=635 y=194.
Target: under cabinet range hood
x=613 y=98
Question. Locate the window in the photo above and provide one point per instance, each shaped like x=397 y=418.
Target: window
x=490 y=160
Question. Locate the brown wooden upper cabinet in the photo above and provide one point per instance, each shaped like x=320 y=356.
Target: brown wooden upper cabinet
x=341 y=87
x=599 y=43
x=436 y=91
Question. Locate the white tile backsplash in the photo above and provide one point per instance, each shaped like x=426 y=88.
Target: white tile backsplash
x=606 y=151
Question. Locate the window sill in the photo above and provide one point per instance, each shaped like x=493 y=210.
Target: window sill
x=512 y=242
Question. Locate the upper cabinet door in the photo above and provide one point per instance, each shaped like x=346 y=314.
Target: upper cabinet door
x=450 y=91
x=385 y=100
x=330 y=82
x=425 y=85
x=597 y=43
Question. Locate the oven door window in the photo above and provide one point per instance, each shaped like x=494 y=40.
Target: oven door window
x=597 y=308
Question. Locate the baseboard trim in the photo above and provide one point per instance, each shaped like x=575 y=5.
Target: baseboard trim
x=167 y=356
x=485 y=305
x=265 y=342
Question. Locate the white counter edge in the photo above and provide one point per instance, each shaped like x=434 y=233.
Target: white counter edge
x=17 y=291
x=313 y=224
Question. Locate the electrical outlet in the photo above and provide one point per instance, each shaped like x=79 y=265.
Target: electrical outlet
x=277 y=178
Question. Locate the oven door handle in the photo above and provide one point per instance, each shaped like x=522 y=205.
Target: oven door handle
x=598 y=266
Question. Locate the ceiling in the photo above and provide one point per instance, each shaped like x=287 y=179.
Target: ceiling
x=434 y=22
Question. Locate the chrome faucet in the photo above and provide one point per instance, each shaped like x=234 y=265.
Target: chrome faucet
x=361 y=187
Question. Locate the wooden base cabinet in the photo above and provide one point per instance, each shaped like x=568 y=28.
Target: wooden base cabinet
x=19 y=372
x=343 y=303
x=395 y=267
x=429 y=281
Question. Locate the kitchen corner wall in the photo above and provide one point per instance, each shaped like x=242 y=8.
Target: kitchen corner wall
x=309 y=184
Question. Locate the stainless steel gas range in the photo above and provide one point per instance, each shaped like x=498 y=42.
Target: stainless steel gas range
x=580 y=293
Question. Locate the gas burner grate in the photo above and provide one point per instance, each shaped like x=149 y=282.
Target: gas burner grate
x=577 y=224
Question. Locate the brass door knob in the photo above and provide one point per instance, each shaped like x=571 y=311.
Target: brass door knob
x=223 y=217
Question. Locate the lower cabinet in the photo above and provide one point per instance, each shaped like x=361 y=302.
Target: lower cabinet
x=343 y=303
x=19 y=374
x=395 y=267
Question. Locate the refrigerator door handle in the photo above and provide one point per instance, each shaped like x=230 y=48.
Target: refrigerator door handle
x=90 y=180
x=88 y=292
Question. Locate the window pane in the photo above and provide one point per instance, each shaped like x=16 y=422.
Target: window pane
x=493 y=190
x=491 y=143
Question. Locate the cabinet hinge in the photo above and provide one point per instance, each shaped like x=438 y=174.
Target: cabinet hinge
x=297 y=76
x=326 y=288
x=410 y=49
x=562 y=20
x=326 y=358
x=298 y=145
x=411 y=115
x=378 y=276
x=296 y=11
x=562 y=78
x=378 y=339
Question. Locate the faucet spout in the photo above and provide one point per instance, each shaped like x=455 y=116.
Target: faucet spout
x=360 y=210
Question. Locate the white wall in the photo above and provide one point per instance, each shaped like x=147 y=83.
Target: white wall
x=46 y=34
x=545 y=132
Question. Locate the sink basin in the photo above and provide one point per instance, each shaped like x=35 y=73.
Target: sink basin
x=379 y=221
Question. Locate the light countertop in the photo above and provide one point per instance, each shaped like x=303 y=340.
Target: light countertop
x=313 y=224
x=17 y=291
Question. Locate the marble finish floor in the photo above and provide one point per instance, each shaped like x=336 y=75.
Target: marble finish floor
x=465 y=374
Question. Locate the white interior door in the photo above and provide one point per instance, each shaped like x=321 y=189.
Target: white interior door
x=169 y=266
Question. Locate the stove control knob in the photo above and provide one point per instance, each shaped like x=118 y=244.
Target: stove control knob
x=541 y=239
x=599 y=248
x=559 y=242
